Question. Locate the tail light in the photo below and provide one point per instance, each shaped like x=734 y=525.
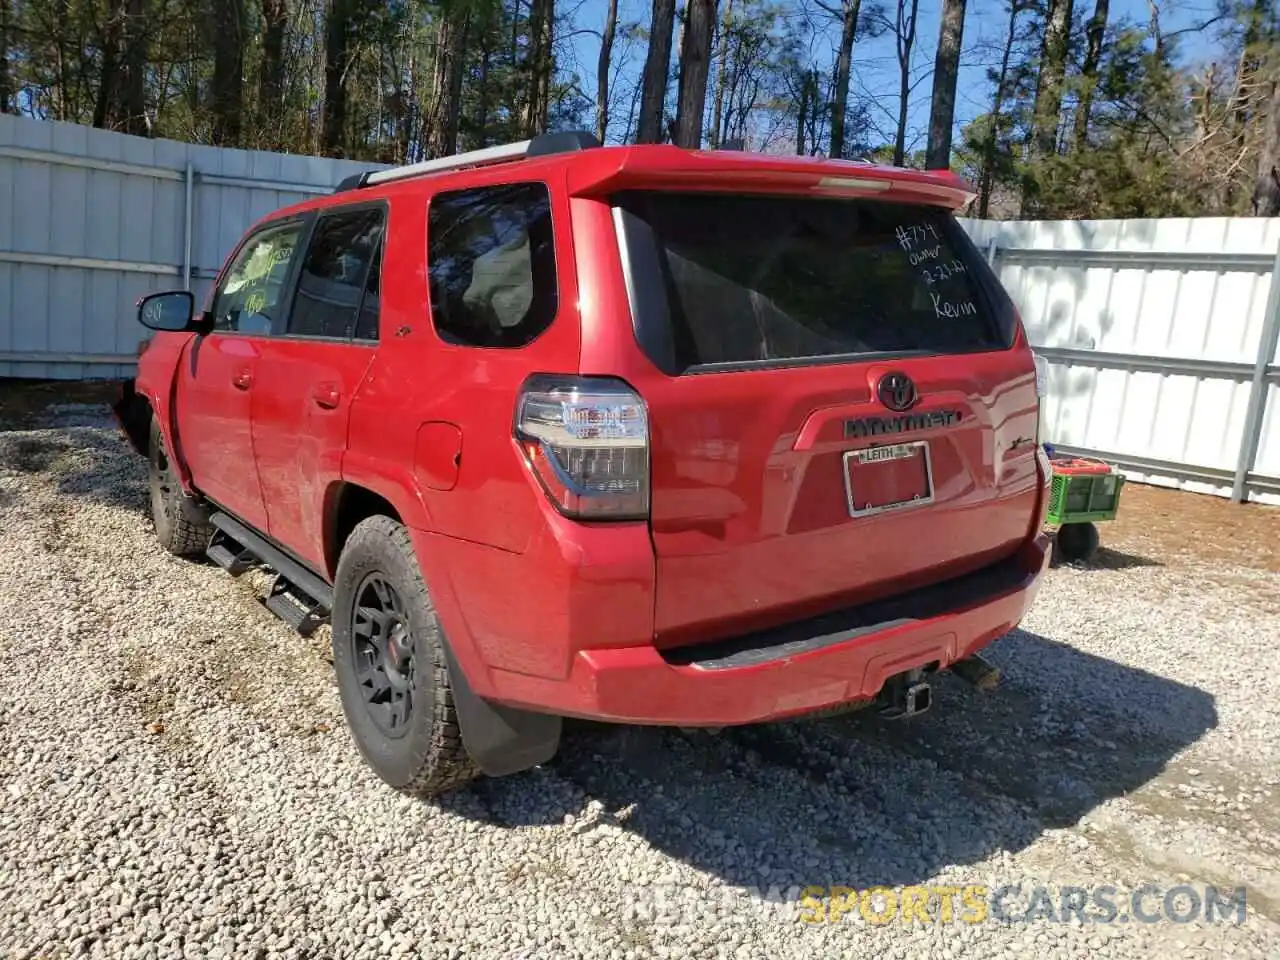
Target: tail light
x=1042 y=391
x=587 y=440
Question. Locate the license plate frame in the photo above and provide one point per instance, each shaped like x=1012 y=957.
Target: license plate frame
x=893 y=451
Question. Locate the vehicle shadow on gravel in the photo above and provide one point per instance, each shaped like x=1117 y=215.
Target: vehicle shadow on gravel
x=858 y=800
x=84 y=455
x=1107 y=558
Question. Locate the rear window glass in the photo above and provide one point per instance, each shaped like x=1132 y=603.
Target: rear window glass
x=491 y=262
x=779 y=279
x=335 y=273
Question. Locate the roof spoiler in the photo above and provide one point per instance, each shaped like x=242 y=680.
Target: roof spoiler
x=542 y=145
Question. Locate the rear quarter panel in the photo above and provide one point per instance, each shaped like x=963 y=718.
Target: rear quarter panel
x=416 y=379
x=475 y=532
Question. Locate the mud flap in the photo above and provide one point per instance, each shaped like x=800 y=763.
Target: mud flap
x=501 y=740
x=133 y=413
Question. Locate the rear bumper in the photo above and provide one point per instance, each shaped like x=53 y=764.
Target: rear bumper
x=797 y=669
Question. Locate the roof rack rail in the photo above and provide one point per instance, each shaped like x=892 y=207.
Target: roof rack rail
x=542 y=145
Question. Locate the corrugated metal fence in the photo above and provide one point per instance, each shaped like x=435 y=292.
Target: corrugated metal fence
x=1161 y=337
x=91 y=220
x=1161 y=334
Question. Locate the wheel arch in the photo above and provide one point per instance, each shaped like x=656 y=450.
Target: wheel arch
x=502 y=740
x=346 y=504
x=133 y=411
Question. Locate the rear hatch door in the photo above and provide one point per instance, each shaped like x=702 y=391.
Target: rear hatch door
x=849 y=409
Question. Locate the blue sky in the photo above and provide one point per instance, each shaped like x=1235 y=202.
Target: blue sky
x=875 y=65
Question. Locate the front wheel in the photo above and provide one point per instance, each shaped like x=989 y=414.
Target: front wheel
x=181 y=527
x=389 y=657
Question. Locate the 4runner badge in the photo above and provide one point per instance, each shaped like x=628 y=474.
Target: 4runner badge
x=876 y=426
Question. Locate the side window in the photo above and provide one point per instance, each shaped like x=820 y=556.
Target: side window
x=249 y=298
x=367 y=322
x=335 y=272
x=491 y=263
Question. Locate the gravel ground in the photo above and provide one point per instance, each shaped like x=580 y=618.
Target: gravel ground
x=176 y=779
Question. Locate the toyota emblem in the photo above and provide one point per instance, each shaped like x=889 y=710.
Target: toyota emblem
x=896 y=391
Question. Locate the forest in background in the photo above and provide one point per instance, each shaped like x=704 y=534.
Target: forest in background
x=1088 y=116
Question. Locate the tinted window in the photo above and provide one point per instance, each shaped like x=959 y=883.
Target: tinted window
x=334 y=273
x=367 y=324
x=784 y=278
x=492 y=264
x=249 y=299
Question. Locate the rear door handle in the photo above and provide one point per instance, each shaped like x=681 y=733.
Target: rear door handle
x=242 y=380
x=325 y=395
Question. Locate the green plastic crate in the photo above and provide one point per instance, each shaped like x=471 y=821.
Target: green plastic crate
x=1083 y=497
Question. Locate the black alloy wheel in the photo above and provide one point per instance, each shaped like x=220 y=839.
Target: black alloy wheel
x=389 y=657
x=383 y=654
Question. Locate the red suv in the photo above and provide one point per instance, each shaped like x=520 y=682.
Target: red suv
x=636 y=434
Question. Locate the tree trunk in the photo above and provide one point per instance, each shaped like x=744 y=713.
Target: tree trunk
x=807 y=114
x=1157 y=34
x=446 y=81
x=945 y=72
x=682 y=24
x=537 y=99
x=906 y=38
x=453 y=116
x=602 y=70
x=6 y=73
x=275 y=17
x=722 y=69
x=337 y=32
x=1053 y=67
x=408 y=124
x=481 y=122
x=107 y=103
x=802 y=114
x=1250 y=58
x=1094 y=34
x=1253 y=48
x=844 y=68
x=1266 y=191
x=633 y=111
x=997 y=105
x=695 y=63
x=134 y=85
x=657 y=64
x=228 y=71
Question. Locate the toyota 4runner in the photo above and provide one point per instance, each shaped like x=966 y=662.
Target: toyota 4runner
x=635 y=434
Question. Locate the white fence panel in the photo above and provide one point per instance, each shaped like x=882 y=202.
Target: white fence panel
x=1152 y=329
x=1268 y=458
x=91 y=220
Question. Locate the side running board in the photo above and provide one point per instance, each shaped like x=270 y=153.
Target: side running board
x=298 y=597
x=229 y=555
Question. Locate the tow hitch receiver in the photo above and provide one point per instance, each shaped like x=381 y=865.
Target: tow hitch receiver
x=906 y=695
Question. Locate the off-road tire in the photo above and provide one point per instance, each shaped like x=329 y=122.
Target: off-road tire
x=171 y=510
x=429 y=758
x=1076 y=542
